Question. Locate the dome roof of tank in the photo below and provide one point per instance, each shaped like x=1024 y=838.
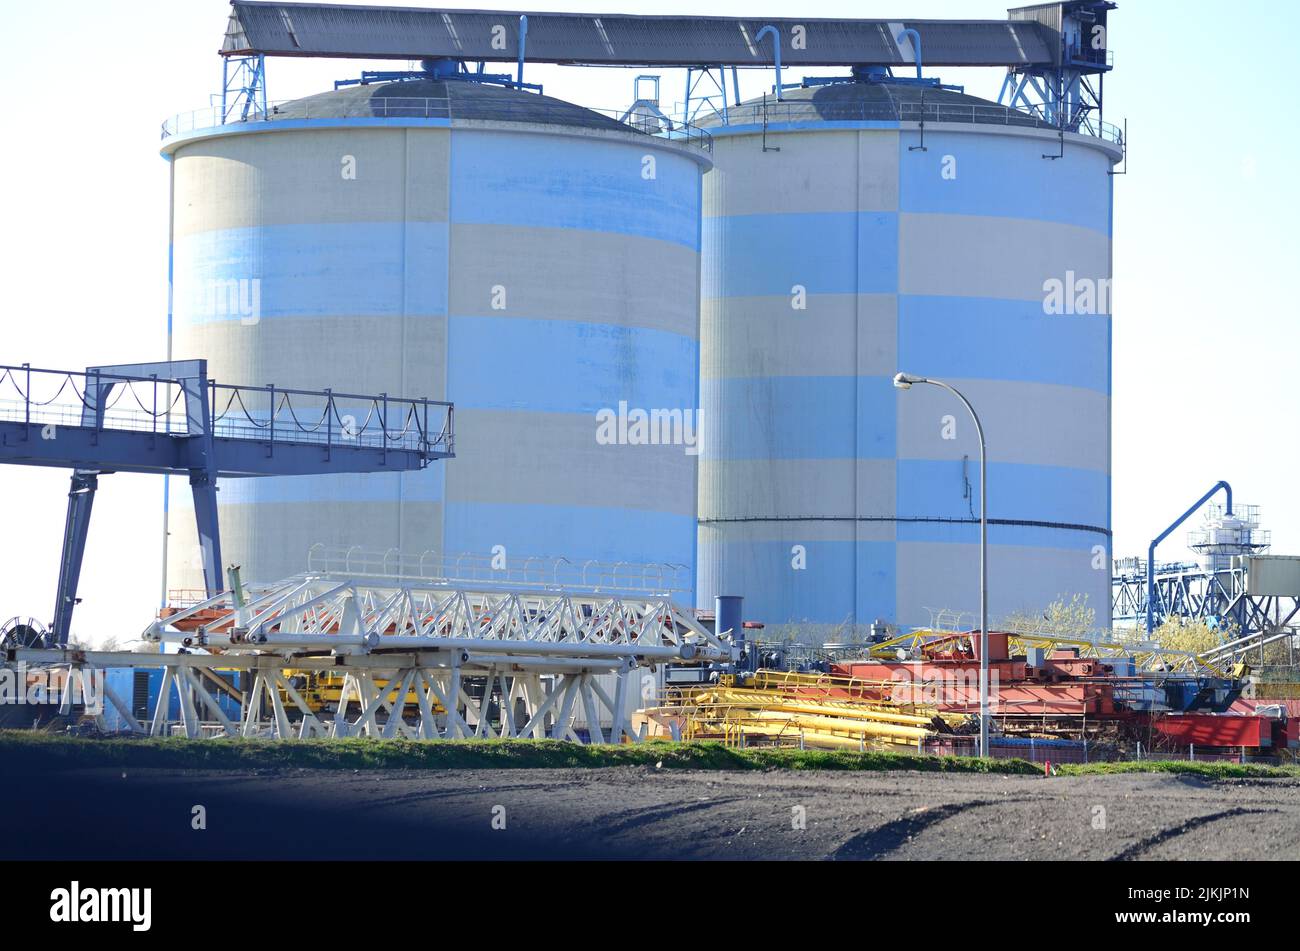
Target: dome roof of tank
x=444 y=99
x=879 y=102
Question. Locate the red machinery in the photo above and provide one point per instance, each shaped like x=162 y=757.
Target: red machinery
x=1230 y=730
x=1060 y=685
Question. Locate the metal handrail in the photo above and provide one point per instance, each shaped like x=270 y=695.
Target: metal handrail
x=893 y=111
x=537 y=572
x=673 y=127
x=417 y=107
x=372 y=421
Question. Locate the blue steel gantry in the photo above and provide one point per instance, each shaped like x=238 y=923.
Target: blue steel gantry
x=1221 y=598
x=1220 y=591
x=1067 y=92
x=169 y=418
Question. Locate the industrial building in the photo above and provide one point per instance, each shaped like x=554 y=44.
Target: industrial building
x=680 y=344
x=759 y=270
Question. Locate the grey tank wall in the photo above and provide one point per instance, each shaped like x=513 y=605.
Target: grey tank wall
x=828 y=498
x=385 y=283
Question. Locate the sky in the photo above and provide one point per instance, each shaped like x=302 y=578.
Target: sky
x=1206 y=248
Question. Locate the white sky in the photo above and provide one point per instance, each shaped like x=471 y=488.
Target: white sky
x=1206 y=254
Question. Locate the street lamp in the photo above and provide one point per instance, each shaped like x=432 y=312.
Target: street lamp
x=905 y=381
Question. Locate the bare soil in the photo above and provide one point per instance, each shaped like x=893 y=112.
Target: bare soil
x=644 y=813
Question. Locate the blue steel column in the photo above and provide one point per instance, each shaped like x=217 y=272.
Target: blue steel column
x=729 y=616
x=203 y=473
x=80 y=500
x=203 y=485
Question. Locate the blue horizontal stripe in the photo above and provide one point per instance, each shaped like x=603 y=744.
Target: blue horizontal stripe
x=423 y=486
x=585 y=183
x=979 y=338
x=842 y=581
x=817 y=417
x=319 y=270
x=1022 y=536
x=578 y=533
x=934 y=488
x=1004 y=177
x=563 y=366
x=824 y=252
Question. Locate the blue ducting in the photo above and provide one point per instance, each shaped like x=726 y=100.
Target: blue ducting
x=776 y=52
x=523 y=45
x=916 y=45
x=1151 y=552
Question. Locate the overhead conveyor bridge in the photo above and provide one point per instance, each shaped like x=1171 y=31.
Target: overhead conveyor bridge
x=404 y=33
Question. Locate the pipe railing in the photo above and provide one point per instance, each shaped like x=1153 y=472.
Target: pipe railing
x=888 y=110
x=422 y=108
x=109 y=401
x=499 y=570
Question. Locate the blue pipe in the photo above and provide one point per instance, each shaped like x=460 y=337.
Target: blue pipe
x=776 y=50
x=916 y=45
x=1151 y=552
x=523 y=43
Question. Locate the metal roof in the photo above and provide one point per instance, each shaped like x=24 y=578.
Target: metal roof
x=336 y=30
x=435 y=99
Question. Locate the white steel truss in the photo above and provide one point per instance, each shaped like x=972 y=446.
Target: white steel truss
x=537 y=698
x=354 y=615
x=418 y=661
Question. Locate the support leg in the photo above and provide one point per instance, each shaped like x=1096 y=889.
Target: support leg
x=204 y=487
x=80 y=499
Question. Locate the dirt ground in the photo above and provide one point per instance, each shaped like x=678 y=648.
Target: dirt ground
x=644 y=813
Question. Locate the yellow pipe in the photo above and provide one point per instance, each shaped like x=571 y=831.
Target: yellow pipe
x=813 y=738
x=833 y=725
x=781 y=722
x=776 y=701
x=824 y=709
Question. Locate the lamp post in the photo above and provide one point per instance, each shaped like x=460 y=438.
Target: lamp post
x=905 y=381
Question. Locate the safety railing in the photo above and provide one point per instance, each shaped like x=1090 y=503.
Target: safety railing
x=501 y=570
x=534 y=109
x=55 y=398
x=673 y=127
x=324 y=417
x=888 y=110
x=267 y=414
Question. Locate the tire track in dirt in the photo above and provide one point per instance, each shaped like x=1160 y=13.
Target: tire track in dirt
x=892 y=836
x=1135 y=851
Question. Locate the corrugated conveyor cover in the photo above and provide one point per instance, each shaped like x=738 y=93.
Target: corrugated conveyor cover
x=307 y=29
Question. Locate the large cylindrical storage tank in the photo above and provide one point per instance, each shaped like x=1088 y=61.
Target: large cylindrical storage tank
x=534 y=262
x=841 y=245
